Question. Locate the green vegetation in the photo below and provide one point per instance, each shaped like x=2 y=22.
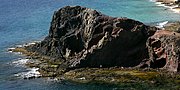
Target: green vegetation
x=123 y=77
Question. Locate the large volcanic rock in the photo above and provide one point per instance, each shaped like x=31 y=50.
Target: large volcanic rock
x=164 y=50
x=82 y=37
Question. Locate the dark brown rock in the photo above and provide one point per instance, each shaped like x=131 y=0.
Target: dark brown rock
x=164 y=50
x=82 y=37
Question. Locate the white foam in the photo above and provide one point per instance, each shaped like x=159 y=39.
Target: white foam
x=31 y=73
x=52 y=79
x=19 y=45
x=171 y=7
x=10 y=49
x=162 y=24
x=159 y=3
x=82 y=78
x=152 y=0
x=176 y=11
x=20 y=62
x=19 y=53
x=28 y=44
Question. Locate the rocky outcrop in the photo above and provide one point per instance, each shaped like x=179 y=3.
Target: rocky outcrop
x=164 y=50
x=82 y=37
x=172 y=26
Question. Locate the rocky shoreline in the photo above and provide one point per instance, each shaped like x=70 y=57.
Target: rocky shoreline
x=86 y=46
x=112 y=75
x=118 y=76
x=173 y=5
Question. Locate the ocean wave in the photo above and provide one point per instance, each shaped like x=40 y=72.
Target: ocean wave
x=20 y=46
x=152 y=0
x=10 y=50
x=51 y=79
x=24 y=45
x=161 y=24
x=20 y=62
x=31 y=73
x=27 y=44
x=160 y=4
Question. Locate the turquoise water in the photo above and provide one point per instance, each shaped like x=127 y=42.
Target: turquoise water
x=23 y=21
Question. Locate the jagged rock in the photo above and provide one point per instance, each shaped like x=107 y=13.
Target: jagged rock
x=164 y=50
x=82 y=37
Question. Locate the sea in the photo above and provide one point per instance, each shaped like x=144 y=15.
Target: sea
x=26 y=21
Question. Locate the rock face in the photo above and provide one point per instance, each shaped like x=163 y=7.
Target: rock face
x=82 y=37
x=164 y=50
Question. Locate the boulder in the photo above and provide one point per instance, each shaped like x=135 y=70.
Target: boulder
x=82 y=37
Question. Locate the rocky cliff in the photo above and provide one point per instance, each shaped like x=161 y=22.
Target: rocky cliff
x=82 y=37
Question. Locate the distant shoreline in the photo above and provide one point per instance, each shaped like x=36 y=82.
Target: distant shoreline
x=173 y=5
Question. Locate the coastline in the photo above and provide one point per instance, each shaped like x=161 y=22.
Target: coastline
x=48 y=66
x=29 y=21
x=40 y=67
x=172 y=5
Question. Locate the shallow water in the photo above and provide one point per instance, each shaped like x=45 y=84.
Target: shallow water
x=23 y=21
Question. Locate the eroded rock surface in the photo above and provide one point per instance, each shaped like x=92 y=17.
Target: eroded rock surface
x=164 y=50
x=82 y=37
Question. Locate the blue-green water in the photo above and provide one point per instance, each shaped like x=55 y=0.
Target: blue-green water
x=23 y=21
